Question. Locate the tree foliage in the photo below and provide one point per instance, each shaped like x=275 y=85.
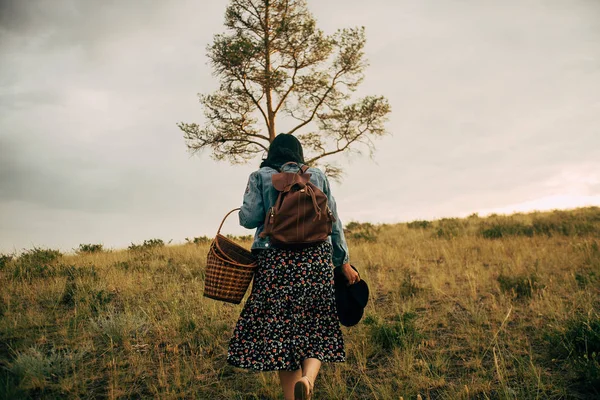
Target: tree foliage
x=273 y=61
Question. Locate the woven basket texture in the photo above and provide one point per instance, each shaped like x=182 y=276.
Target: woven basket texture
x=229 y=270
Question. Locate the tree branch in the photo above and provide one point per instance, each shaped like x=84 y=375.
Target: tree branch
x=292 y=86
x=320 y=102
x=332 y=152
x=247 y=91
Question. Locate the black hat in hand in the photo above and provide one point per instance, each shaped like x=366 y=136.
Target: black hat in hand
x=350 y=300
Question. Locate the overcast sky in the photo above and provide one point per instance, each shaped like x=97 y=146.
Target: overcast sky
x=495 y=108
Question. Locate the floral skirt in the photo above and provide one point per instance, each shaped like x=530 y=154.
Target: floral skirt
x=290 y=314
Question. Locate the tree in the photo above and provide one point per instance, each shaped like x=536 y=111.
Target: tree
x=274 y=61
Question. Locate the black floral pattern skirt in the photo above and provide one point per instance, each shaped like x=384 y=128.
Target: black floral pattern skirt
x=290 y=314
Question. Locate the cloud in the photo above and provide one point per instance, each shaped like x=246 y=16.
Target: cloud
x=494 y=105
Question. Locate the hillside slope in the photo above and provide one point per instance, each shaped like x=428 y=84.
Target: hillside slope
x=504 y=307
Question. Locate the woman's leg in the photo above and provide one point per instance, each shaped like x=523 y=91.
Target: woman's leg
x=310 y=368
x=288 y=379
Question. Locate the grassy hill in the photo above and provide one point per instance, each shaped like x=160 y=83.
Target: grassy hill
x=503 y=307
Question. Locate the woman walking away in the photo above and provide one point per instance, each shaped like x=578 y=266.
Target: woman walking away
x=289 y=323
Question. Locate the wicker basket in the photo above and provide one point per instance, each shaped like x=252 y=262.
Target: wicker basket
x=229 y=269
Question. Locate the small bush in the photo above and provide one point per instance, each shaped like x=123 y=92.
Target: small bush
x=38 y=255
x=147 y=245
x=97 y=300
x=565 y=224
x=242 y=238
x=36 y=263
x=400 y=333
x=199 y=240
x=34 y=368
x=449 y=228
x=420 y=224
x=577 y=346
x=365 y=232
x=117 y=328
x=85 y=292
x=504 y=229
x=519 y=286
x=573 y=223
x=89 y=248
x=5 y=259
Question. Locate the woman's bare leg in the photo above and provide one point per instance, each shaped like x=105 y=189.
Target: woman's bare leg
x=287 y=380
x=310 y=368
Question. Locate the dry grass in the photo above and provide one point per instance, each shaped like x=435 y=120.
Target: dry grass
x=495 y=308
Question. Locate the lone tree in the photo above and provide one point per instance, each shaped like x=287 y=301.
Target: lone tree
x=274 y=61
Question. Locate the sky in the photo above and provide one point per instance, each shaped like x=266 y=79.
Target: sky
x=495 y=108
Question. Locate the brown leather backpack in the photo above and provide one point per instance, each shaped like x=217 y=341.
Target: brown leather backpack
x=300 y=216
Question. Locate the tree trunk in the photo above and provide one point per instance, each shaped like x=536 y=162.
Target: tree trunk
x=270 y=112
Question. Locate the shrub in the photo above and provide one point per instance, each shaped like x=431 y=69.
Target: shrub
x=97 y=300
x=572 y=223
x=366 y=231
x=577 y=346
x=78 y=292
x=242 y=238
x=89 y=248
x=566 y=224
x=35 y=368
x=199 y=240
x=400 y=332
x=5 y=259
x=520 y=286
x=419 y=224
x=503 y=229
x=117 y=328
x=147 y=245
x=449 y=228
x=36 y=263
x=38 y=256
x=69 y=297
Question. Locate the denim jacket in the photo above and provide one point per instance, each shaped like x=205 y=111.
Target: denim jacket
x=260 y=196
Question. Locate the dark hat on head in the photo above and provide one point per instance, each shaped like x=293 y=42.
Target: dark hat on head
x=285 y=147
x=350 y=300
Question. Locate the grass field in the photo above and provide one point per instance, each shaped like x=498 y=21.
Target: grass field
x=503 y=307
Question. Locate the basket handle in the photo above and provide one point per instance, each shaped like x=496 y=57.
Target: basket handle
x=227 y=215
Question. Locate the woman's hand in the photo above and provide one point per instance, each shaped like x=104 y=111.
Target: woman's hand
x=350 y=274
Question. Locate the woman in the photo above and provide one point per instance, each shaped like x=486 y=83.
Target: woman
x=289 y=323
